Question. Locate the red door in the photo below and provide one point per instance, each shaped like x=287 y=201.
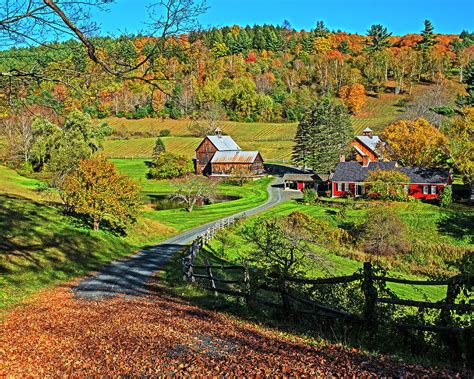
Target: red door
x=300 y=186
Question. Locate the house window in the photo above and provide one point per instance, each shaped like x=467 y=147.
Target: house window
x=346 y=187
x=433 y=190
x=407 y=189
x=339 y=187
x=426 y=190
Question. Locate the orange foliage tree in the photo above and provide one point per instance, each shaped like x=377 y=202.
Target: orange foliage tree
x=353 y=97
x=415 y=143
x=97 y=190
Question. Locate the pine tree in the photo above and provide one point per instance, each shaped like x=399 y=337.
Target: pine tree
x=322 y=136
x=468 y=100
x=321 y=30
x=429 y=39
x=159 y=147
x=344 y=47
x=378 y=38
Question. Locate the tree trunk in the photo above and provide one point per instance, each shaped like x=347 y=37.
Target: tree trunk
x=96 y=223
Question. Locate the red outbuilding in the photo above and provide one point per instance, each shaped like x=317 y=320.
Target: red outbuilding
x=425 y=183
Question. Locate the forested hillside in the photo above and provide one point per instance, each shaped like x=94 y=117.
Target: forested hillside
x=260 y=73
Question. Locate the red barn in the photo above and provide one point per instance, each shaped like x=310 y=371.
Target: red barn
x=366 y=146
x=219 y=155
x=425 y=183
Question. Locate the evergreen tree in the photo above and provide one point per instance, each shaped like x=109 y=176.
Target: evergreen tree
x=429 y=39
x=469 y=80
x=159 y=147
x=378 y=38
x=321 y=30
x=322 y=136
x=344 y=47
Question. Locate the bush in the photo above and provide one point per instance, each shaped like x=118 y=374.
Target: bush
x=169 y=166
x=310 y=195
x=387 y=185
x=446 y=197
x=165 y=132
x=383 y=233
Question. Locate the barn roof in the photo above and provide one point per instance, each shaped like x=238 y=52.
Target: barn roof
x=423 y=175
x=355 y=172
x=224 y=143
x=371 y=143
x=302 y=178
x=235 y=156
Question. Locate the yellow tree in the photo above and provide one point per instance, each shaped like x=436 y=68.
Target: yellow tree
x=97 y=190
x=415 y=143
x=353 y=97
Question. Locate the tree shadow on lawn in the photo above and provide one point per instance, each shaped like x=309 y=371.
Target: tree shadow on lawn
x=459 y=225
x=36 y=237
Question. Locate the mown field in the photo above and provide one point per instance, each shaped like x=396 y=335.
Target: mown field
x=273 y=140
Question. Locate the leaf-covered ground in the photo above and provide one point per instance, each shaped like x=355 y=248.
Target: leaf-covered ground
x=57 y=335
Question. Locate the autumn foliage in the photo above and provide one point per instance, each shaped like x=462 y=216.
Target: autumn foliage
x=96 y=190
x=156 y=336
x=353 y=97
x=415 y=143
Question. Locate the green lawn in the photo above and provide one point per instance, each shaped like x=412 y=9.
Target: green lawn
x=251 y=194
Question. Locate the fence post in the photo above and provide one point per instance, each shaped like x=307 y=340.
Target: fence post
x=211 y=279
x=370 y=294
x=248 y=288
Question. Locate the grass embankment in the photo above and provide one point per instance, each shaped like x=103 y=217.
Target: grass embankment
x=39 y=246
x=437 y=236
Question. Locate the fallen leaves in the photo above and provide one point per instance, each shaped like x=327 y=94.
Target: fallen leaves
x=58 y=335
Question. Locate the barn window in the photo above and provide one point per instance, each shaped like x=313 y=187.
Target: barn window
x=426 y=190
x=433 y=190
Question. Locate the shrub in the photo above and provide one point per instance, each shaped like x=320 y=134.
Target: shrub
x=383 y=233
x=169 y=166
x=310 y=195
x=165 y=132
x=387 y=185
x=446 y=197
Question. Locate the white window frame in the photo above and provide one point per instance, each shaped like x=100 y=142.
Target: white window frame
x=339 y=187
x=433 y=190
x=426 y=190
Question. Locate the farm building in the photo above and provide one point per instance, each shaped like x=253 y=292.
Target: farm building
x=425 y=183
x=219 y=155
x=366 y=146
x=302 y=181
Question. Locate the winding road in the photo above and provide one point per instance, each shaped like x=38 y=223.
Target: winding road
x=129 y=276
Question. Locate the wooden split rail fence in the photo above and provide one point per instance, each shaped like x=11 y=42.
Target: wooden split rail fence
x=367 y=279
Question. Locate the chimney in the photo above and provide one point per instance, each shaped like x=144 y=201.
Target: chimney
x=365 y=161
x=368 y=132
x=342 y=158
x=218 y=131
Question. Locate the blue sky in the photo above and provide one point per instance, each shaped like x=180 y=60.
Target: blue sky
x=355 y=16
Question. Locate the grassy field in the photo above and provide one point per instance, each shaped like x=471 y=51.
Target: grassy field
x=39 y=246
x=428 y=226
x=250 y=195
